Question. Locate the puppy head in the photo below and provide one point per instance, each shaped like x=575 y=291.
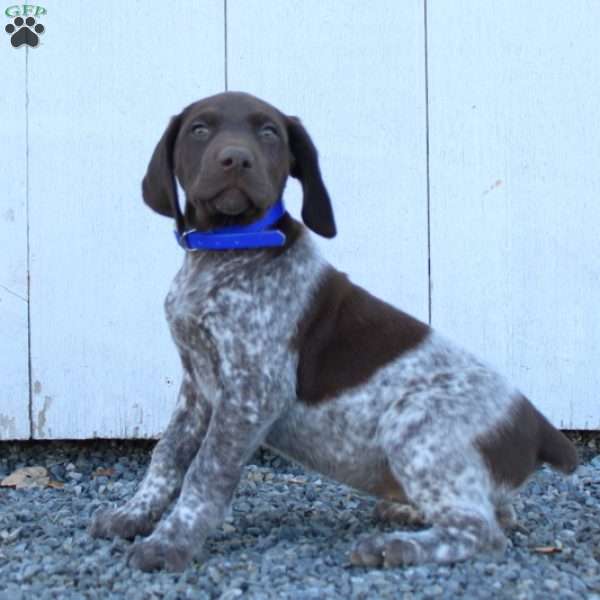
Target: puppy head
x=232 y=154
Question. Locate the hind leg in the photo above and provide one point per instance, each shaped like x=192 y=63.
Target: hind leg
x=406 y=514
x=445 y=479
x=456 y=537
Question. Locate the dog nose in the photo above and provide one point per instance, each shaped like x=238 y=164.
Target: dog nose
x=235 y=157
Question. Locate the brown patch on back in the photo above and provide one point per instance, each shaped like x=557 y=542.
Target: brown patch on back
x=346 y=335
x=516 y=448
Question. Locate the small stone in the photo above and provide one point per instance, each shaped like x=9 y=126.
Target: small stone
x=552 y=585
x=10 y=536
x=310 y=494
x=432 y=591
x=214 y=574
x=57 y=471
x=231 y=594
x=29 y=572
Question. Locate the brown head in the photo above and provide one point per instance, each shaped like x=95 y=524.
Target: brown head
x=232 y=154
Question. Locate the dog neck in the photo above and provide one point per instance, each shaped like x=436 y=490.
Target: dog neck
x=259 y=234
x=205 y=271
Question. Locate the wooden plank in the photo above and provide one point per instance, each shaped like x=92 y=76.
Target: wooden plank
x=354 y=73
x=102 y=88
x=514 y=154
x=14 y=394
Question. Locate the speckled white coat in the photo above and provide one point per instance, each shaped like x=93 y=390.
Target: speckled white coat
x=233 y=319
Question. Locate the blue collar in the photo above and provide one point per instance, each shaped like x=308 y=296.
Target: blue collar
x=253 y=235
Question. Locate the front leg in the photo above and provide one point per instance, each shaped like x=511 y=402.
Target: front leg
x=162 y=482
x=237 y=428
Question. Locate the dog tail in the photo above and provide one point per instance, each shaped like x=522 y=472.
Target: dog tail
x=554 y=447
x=515 y=447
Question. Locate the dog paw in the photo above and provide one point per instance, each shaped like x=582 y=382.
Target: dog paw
x=120 y=522
x=155 y=554
x=379 y=551
x=393 y=512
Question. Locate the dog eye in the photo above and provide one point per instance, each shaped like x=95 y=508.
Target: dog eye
x=200 y=131
x=268 y=132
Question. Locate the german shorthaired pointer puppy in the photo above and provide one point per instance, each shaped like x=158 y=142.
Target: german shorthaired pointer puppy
x=279 y=348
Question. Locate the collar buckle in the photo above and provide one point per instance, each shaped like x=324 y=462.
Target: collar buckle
x=182 y=240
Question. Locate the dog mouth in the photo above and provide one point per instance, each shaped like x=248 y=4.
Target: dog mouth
x=232 y=202
x=227 y=207
x=212 y=204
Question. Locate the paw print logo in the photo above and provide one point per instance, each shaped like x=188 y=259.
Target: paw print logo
x=24 y=32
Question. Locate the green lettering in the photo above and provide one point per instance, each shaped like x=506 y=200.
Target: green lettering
x=40 y=10
x=27 y=9
x=12 y=11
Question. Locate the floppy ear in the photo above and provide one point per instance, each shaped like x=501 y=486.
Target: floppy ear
x=158 y=186
x=317 y=213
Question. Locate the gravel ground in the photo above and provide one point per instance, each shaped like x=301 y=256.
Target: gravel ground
x=289 y=536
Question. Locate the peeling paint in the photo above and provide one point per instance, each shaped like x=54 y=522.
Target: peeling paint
x=41 y=419
x=498 y=183
x=37 y=387
x=8 y=427
x=139 y=413
x=9 y=215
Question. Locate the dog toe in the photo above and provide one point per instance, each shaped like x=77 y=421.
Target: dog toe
x=117 y=522
x=153 y=555
x=385 y=551
x=400 y=551
x=368 y=552
x=100 y=525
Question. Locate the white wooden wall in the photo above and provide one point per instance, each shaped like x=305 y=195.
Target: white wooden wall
x=14 y=358
x=460 y=143
x=514 y=130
